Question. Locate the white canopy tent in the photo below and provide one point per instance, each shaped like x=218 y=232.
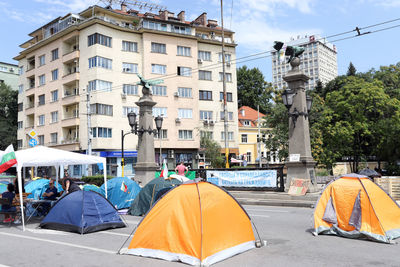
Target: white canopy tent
x=45 y=156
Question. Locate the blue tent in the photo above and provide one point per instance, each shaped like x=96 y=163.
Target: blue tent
x=38 y=187
x=121 y=191
x=92 y=187
x=3 y=188
x=82 y=212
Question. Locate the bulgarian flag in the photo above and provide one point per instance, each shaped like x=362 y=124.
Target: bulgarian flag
x=124 y=187
x=7 y=159
x=164 y=171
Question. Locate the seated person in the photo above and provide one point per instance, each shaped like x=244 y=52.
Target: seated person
x=69 y=186
x=9 y=194
x=50 y=194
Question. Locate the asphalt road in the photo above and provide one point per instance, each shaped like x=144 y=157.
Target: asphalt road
x=286 y=230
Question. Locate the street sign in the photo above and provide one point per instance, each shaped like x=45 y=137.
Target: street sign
x=32 y=133
x=32 y=142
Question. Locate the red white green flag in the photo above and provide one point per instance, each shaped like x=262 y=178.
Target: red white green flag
x=164 y=172
x=7 y=159
x=124 y=187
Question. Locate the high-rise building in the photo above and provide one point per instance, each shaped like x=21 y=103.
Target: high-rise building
x=9 y=75
x=319 y=62
x=100 y=51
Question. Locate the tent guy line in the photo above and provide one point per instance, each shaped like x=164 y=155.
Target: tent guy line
x=60 y=243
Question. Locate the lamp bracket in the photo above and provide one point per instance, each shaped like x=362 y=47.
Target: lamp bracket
x=295 y=114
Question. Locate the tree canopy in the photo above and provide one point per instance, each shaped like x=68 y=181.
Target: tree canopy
x=8 y=115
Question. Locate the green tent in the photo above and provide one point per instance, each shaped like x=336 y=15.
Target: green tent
x=149 y=193
x=190 y=174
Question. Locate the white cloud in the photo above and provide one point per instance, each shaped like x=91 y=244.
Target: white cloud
x=387 y=3
x=70 y=6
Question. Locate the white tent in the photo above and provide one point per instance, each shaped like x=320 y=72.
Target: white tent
x=45 y=156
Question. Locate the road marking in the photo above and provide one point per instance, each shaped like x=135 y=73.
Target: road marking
x=112 y=233
x=60 y=243
x=282 y=211
x=2 y=265
x=255 y=215
x=47 y=231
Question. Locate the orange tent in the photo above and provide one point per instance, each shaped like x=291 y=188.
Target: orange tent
x=353 y=206
x=195 y=223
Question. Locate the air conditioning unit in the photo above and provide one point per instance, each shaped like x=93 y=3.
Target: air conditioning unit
x=171 y=153
x=176 y=94
x=200 y=61
x=178 y=120
x=211 y=123
x=228 y=64
x=205 y=122
x=123 y=96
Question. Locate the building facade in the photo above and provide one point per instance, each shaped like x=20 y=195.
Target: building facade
x=91 y=60
x=319 y=62
x=9 y=75
x=251 y=135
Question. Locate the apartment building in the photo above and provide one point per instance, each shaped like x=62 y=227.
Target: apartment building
x=251 y=133
x=319 y=62
x=9 y=75
x=93 y=57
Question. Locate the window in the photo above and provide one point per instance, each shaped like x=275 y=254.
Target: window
x=20 y=88
x=228 y=77
x=159 y=90
x=184 y=71
x=41 y=100
x=204 y=55
x=42 y=60
x=185 y=113
x=227 y=57
x=99 y=85
x=98 y=38
x=206 y=134
x=54 y=54
x=164 y=134
x=230 y=136
x=244 y=138
x=158 y=48
x=126 y=110
x=246 y=123
x=100 y=132
x=101 y=62
x=54 y=75
x=204 y=75
x=205 y=95
x=41 y=140
x=20 y=107
x=129 y=46
x=41 y=120
x=20 y=124
x=180 y=29
x=129 y=67
x=42 y=80
x=185 y=92
x=54 y=116
x=185 y=134
x=206 y=115
x=19 y=143
x=228 y=96
x=154 y=25
x=20 y=70
x=158 y=69
x=101 y=109
x=183 y=51
x=54 y=95
x=230 y=116
x=130 y=89
x=249 y=156
x=160 y=112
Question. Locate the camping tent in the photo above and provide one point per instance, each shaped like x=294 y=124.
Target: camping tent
x=82 y=212
x=45 y=156
x=121 y=191
x=195 y=223
x=38 y=187
x=147 y=196
x=92 y=187
x=353 y=206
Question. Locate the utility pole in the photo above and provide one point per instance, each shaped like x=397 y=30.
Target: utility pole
x=89 y=129
x=224 y=90
x=259 y=137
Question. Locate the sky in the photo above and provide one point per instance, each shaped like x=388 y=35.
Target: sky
x=256 y=23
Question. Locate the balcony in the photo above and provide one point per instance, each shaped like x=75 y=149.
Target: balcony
x=70 y=77
x=69 y=121
x=70 y=56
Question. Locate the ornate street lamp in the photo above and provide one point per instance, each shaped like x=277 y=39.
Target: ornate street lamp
x=287 y=98
x=159 y=121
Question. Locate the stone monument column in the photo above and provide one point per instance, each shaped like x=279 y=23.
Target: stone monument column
x=300 y=163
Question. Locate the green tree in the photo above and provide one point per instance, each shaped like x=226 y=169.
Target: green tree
x=351 y=71
x=253 y=90
x=212 y=151
x=8 y=115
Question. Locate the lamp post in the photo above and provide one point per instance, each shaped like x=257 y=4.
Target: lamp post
x=159 y=121
x=300 y=163
x=131 y=119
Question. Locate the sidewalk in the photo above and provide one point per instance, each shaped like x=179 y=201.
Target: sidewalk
x=267 y=198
